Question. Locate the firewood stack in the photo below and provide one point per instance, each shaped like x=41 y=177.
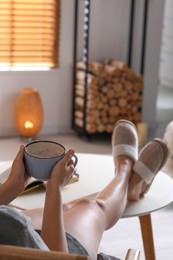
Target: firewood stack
x=113 y=92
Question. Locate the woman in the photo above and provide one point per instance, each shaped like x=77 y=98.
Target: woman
x=77 y=227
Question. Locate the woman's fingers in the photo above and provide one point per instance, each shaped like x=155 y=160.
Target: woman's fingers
x=67 y=159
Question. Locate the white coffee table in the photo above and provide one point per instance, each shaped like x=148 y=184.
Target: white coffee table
x=95 y=172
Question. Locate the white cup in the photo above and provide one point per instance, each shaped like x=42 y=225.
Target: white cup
x=41 y=157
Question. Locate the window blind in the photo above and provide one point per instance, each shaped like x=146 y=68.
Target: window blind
x=29 y=33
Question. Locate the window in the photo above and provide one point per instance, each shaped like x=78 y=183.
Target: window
x=29 y=34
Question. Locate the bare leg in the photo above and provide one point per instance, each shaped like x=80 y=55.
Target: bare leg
x=100 y=212
x=36 y=216
x=96 y=212
x=86 y=219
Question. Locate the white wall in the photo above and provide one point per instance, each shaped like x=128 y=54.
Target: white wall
x=166 y=57
x=55 y=87
x=108 y=39
x=152 y=58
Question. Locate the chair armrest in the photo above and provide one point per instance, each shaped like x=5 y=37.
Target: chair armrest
x=23 y=253
x=133 y=254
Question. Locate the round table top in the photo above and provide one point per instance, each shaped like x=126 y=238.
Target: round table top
x=95 y=172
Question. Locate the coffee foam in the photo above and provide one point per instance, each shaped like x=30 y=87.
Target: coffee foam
x=45 y=150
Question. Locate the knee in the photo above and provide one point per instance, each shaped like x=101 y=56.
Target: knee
x=97 y=209
x=99 y=204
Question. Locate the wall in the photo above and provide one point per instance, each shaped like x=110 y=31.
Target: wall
x=152 y=58
x=55 y=87
x=108 y=39
x=166 y=58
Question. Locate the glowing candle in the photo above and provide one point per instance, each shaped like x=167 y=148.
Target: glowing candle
x=28 y=113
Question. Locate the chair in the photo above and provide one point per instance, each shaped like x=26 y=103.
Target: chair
x=23 y=253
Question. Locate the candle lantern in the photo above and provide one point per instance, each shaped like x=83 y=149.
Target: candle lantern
x=28 y=114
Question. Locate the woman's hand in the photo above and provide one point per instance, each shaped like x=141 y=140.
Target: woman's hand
x=63 y=171
x=18 y=176
x=16 y=181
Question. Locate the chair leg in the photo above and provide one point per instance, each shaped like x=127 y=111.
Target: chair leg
x=147 y=236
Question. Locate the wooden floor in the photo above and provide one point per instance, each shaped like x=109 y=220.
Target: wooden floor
x=126 y=233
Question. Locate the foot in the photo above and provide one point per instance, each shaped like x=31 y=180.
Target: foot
x=151 y=159
x=125 y=140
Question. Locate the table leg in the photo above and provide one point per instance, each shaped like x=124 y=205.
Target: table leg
x=147 y=236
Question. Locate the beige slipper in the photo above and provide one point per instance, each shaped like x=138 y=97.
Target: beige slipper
x=125 y=140
x=151 y=159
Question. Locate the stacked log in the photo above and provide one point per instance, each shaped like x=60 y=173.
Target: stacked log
x=113 y=91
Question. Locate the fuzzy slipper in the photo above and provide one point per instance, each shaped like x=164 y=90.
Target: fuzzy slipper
x=151 y=159
x=125 y=140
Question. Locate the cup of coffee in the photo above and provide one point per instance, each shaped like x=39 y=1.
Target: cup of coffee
x=41 y=156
